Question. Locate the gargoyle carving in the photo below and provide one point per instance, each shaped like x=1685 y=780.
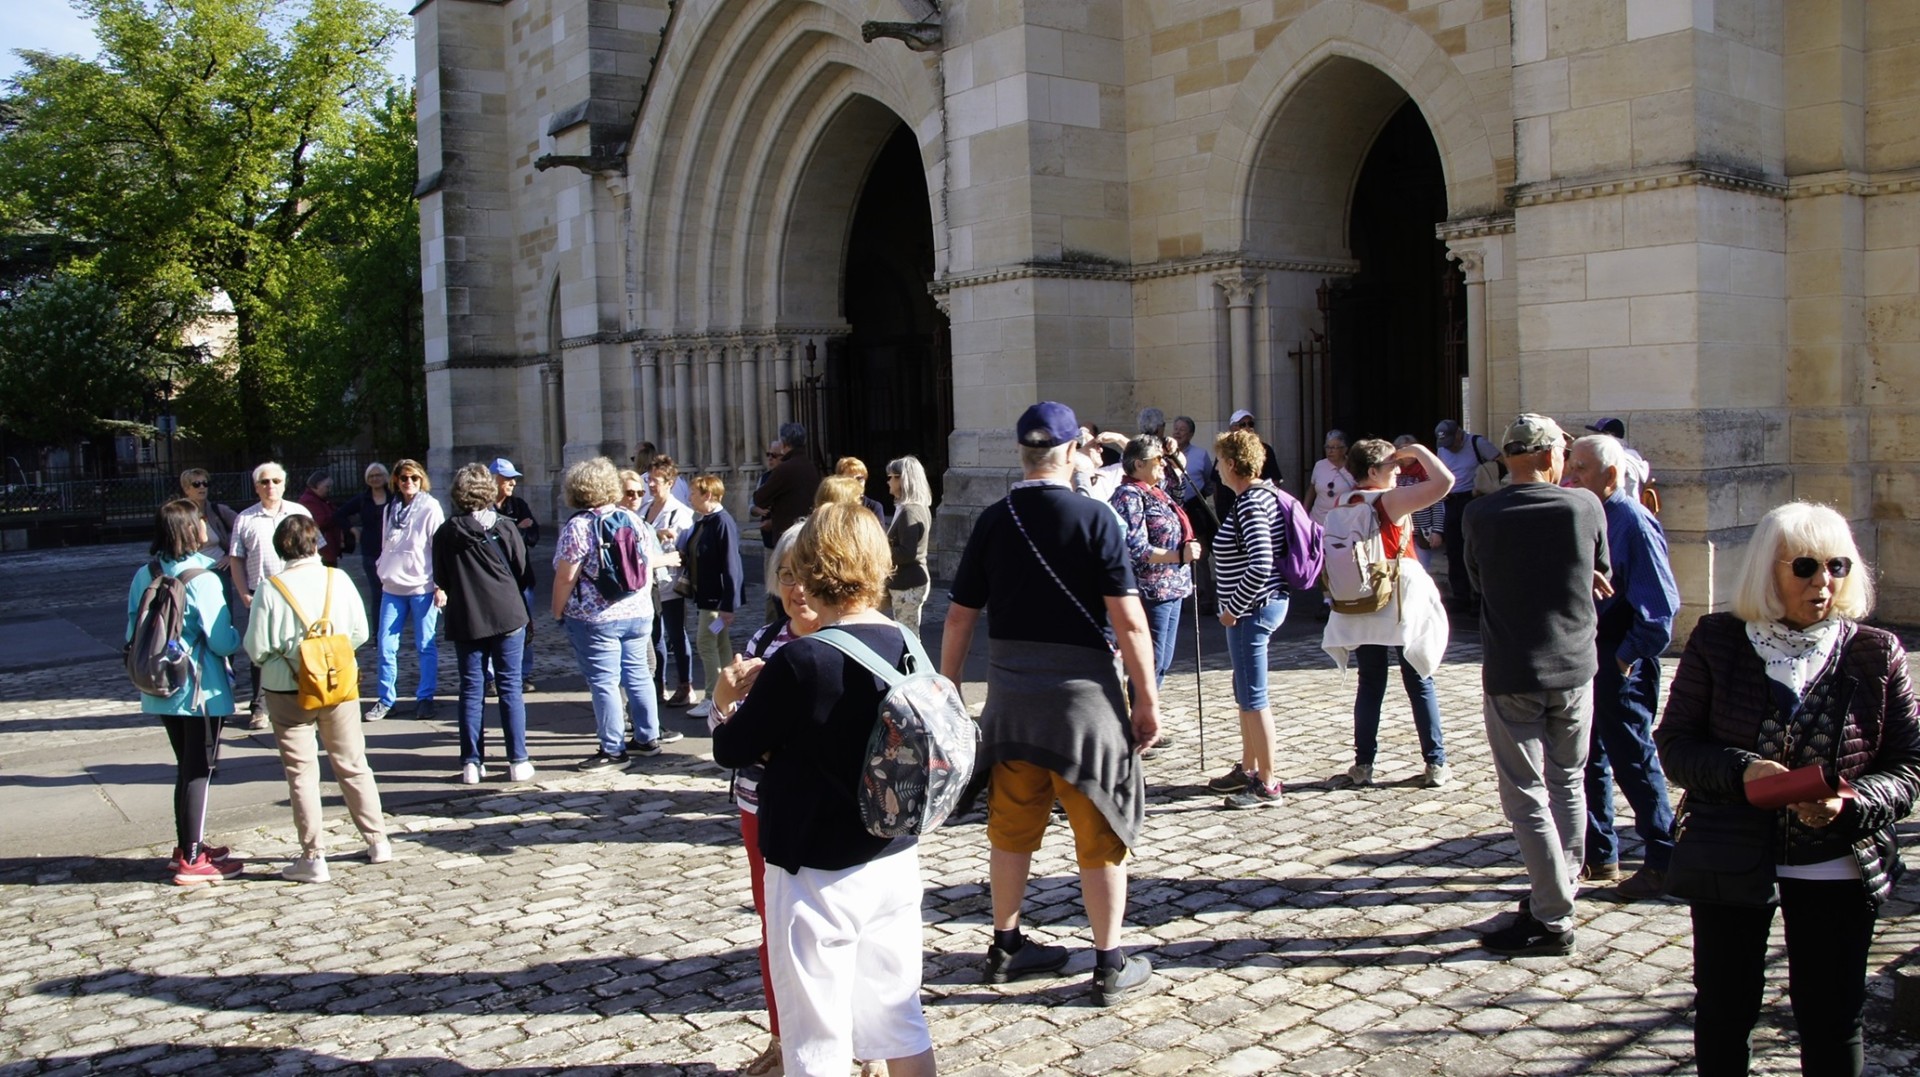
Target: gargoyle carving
x=919 y=36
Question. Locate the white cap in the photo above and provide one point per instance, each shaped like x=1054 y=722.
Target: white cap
x=1239 y=415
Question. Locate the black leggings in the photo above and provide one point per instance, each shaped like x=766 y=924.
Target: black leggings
x=1829 y=930
x=196 y=748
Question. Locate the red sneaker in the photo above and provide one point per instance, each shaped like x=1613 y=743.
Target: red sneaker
x=216 y=852
x=205 y=869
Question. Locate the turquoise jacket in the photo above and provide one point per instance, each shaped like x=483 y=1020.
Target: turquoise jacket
x=208 y=633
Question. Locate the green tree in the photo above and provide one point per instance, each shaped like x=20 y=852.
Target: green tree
x=185 y=155
x=74 y=361
x=370 y=326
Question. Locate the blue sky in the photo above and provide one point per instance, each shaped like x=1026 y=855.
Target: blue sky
x=54 y=26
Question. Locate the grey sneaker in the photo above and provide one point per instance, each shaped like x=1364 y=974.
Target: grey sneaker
x=376 y=712
x=1360 y=774
x=1112 y=986
x=1230 y=782
x=1257 y=794
x=258 y=723
x=1437 y=775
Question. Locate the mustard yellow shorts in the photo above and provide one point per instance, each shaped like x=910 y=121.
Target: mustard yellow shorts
x=1020 y=804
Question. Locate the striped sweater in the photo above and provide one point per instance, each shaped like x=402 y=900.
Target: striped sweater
x=1248 y=545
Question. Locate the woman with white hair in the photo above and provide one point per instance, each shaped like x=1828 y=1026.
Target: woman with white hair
x=366 y=510
x=1789 y=688
x=909 y=582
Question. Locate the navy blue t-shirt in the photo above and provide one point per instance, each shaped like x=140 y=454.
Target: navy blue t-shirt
x=1082 y=539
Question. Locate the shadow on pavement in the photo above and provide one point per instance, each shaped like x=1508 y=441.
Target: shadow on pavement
x=710 y=983
x=181 y=1057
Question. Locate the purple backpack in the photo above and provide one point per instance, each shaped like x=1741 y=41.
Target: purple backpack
x=1300 y=558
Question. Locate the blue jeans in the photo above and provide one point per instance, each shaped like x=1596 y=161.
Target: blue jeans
x=1163 y=619
x=502 y=655
x=1622 y=743
x=614 y=658
x=1247 y=646
x=526 y=646
x=672 y=641
x=396 y=612
x=1371 y=661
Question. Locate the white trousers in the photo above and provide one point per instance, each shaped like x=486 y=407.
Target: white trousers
x=844 y=948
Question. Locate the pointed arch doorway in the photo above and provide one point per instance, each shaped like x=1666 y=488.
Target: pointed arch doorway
x=1397 y=328
x=882 y=388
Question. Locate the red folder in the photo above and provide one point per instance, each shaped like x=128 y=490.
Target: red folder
x=1797 y=786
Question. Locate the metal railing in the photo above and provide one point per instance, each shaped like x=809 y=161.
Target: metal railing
x=80 y=511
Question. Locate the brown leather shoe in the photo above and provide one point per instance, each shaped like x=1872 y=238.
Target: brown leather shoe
x=682 y=698
x=1601 y=873
x=1646 y=884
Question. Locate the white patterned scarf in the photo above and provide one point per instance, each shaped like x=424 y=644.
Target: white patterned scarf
x=1794 y=656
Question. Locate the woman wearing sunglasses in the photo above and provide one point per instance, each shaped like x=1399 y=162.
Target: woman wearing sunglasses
x=1789 y=680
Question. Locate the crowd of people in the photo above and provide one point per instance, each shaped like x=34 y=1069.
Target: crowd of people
x=1080 y=573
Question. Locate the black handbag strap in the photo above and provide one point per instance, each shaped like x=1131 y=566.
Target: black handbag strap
x=1058 y=582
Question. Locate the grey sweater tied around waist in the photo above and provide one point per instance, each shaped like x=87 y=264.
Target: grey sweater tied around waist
x=1062 y=707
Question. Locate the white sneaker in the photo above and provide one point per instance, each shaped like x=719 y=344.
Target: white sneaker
x=1437 y=775
x=379 y=852
x=702 y=709
x=520 y=772
x=307 y=870
x=471 y=774
x=1360 y=774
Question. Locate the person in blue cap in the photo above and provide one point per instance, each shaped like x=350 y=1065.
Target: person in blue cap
x=1053 y=568
x=506 y=478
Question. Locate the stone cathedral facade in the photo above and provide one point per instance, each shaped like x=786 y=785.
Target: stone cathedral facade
x=902 y=221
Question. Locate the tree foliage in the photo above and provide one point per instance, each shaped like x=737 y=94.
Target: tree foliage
x=186 y=157
x=72 y=357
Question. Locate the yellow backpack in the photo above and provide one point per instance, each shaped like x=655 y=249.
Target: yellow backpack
x=326 y=673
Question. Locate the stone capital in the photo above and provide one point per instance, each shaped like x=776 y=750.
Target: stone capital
x=1239 y=287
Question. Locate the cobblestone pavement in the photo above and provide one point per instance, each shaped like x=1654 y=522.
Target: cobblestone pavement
x=603 y=924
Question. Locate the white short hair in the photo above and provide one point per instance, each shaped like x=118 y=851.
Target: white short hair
x=1610 y=453
x=1800 y=529
x=266 y=469
x=1035 y=457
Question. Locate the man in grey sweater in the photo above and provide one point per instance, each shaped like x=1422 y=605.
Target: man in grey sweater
x=1537 y=555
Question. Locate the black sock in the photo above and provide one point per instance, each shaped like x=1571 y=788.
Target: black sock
x=1010 y=941
x=1115 y=958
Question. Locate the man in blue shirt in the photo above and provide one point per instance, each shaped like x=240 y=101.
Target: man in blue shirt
x=1636 y=624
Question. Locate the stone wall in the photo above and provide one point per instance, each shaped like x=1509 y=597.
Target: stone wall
x=1700 y=218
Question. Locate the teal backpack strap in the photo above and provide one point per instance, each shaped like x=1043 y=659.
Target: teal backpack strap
x=847 y=644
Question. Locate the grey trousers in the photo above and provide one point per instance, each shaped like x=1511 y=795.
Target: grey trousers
x=1539 y=744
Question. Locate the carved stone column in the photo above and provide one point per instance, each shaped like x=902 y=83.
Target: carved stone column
x=749 y=382
x=715 y=370
x=683 y=440
x=650 y=429
x=1473 y=262
x=553 y=414
x=783 y=383
x=1240 y=289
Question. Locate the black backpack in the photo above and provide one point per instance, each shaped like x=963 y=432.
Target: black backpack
x=158 y=660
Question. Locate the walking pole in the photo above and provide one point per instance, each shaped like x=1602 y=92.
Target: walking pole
x=1199 y=701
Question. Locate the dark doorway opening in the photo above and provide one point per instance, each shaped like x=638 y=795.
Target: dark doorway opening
x=887 y=387
x=1397 y=328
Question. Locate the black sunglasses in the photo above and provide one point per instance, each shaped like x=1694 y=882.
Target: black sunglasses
x=199 y=485
x=1805 y=567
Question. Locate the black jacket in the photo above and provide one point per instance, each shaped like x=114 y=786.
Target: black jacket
x=715 y=546
x=515 y=508
x=482 y=570
x=1719 y=702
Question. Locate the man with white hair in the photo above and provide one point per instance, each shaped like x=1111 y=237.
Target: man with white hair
x=252 y=562
x=1636 y=624
x=1635 y=472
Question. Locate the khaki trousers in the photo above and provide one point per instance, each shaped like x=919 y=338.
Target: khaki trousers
x=338 y=728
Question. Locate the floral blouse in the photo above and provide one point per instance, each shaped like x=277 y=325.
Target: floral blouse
x=1152 y=524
